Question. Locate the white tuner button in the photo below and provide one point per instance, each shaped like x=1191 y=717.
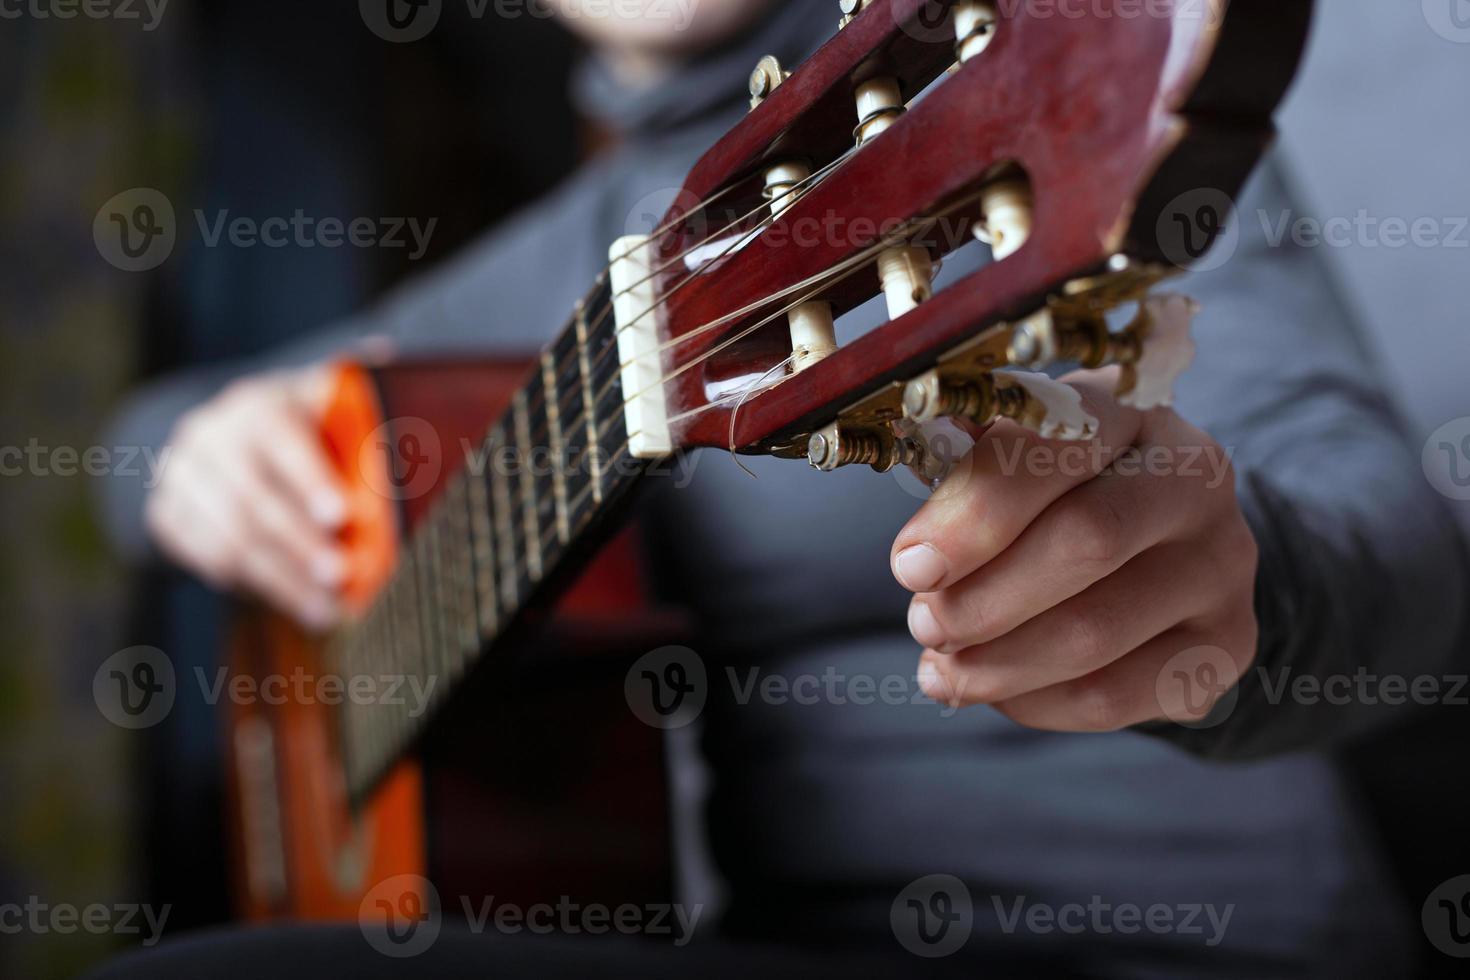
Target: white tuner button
x=1055 y=410
x=1168 y=351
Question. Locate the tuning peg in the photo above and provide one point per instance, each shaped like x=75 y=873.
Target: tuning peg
x=1164 y=334
x=766 y=78
x=1053 y=409
x=1050 y=408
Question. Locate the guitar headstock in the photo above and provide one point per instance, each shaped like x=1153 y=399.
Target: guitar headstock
x=1068 y=141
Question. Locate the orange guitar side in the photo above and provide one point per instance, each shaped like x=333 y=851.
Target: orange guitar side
x=299 y=851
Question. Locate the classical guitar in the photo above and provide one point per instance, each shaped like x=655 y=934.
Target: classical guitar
x=1073 y=147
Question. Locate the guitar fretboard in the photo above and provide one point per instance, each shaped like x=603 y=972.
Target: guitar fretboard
x=545 y=475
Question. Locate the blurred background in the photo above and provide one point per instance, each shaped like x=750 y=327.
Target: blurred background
x=219 y=106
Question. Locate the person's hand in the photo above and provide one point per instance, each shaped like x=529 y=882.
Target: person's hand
x=247 y=499
x=1057 y=581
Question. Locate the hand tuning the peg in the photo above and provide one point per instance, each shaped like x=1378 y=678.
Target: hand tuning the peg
x=1165 y=327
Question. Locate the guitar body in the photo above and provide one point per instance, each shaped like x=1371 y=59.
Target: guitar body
x=537 y=782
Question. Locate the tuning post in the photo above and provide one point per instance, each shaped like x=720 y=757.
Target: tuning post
x=878 y=446
x=766 y=78
x=813 y=328
x=1048 y=407
x=850 y=9
x=1153 y=350
x=1007 y=209
x=974 y=22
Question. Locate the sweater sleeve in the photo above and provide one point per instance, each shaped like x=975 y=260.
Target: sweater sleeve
x=1363 y=569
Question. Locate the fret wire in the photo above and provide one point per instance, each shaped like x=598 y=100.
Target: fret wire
x=558 y=448
x=505 y=523
x=527 y=488
x=487 y=599
x=589 y=404
x=441 y=654
x=460 y=545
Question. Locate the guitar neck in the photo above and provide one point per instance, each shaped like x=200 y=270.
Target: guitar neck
x=544 y=480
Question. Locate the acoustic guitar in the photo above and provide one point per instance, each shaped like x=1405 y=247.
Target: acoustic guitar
x=1085 y=151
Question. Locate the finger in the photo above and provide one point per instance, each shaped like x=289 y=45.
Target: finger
x=1137 y=688
x=296 y=459
x=275 y=520
x=1079 y=540
x=1149 y=596
x=1012 y=476
x=236 y=558
x=185 y=533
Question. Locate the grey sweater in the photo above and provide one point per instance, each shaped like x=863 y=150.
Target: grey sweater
x=823 y=809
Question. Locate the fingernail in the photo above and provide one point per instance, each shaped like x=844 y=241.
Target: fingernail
x=923 y=625
x=920 y=568
x=930 y=682
x=328 y=508
x=328 y=568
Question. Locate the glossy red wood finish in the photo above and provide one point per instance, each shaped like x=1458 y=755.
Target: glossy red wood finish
x=1091 y=107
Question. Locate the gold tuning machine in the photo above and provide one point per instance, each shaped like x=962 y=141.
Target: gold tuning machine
x=766 y=78
x=1035 y=401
